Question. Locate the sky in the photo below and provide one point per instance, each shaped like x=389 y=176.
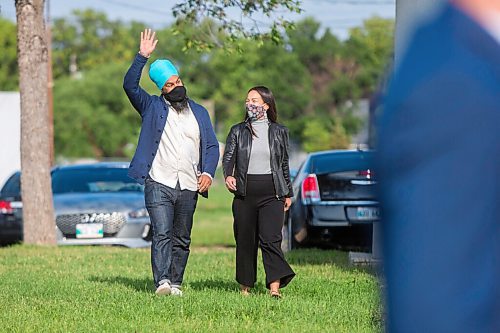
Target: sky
x=338 y=15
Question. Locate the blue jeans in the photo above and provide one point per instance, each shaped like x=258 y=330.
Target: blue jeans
x=171 y=213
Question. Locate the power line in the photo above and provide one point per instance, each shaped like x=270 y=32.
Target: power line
x=135 y=7
x=360 y=2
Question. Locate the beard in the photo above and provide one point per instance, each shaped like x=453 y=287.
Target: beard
x=180 y=106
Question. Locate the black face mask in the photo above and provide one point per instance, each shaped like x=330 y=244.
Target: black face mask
x=178 y=94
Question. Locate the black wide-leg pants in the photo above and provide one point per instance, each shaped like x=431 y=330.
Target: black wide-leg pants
x=258 y=219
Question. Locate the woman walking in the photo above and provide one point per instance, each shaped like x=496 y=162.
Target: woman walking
x=256 y=170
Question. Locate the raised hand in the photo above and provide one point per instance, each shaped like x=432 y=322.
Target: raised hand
x=148 y=42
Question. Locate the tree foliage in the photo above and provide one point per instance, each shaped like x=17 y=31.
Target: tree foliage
x=249 y=26
x=323 y=134
x=9 y=78
x=315 y=77
x=92 y=116
x=88 y=39
x=370 y=46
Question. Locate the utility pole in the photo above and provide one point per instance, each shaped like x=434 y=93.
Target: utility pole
x=409 y=13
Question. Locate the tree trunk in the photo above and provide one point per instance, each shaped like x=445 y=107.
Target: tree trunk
x=36 y=190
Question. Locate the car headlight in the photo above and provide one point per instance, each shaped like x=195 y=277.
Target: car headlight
x=143 y=212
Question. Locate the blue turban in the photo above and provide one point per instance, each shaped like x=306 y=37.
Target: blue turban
x=160 y=71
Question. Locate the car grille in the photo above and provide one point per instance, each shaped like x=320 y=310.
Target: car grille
x=112 y=222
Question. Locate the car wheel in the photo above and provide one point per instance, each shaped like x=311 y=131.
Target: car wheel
x=289 y=243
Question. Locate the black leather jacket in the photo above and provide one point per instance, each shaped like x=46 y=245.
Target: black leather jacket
x=237 y=155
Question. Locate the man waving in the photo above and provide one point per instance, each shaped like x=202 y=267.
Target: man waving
x=176 y=158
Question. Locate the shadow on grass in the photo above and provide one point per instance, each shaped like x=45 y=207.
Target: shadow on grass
x=223 y=285
x=317 y=256
x=220 y=285
x=146 y=286
x=138 y=284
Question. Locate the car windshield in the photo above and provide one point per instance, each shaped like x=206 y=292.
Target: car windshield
x=93 y=180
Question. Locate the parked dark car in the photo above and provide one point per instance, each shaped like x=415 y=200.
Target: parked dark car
x=334 y=202
x=94 y=204
x=11 y=226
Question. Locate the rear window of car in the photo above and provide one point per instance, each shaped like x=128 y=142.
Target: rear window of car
x=340 y=162
x=12 y=187
x=93 y=180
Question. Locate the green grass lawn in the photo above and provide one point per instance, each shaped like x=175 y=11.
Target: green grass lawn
x=213 y=220
x=109 y=289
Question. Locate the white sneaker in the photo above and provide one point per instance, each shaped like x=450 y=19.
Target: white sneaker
x=176 y=291
x=163 y=289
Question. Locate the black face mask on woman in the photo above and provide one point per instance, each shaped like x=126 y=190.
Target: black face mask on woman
x=176 y=95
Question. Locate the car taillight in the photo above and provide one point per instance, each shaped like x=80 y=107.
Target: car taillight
x=5 y=207
x=310 y=188
x=366 y=173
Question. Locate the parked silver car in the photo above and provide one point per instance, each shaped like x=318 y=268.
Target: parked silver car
x=97 y=204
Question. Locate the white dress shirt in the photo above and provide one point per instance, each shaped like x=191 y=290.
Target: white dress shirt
x=178 y=152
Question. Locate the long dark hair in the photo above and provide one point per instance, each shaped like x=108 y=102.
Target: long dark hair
x=268 y=98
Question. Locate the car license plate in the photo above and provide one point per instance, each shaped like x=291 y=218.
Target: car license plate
x=16 y=204
x=367 y=213
x=89 y=230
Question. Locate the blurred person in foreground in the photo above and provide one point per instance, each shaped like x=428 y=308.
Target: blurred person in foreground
x=176 y=159
x=439 y=167
x=256 y=170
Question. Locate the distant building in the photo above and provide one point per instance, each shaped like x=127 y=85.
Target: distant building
x=10 y=134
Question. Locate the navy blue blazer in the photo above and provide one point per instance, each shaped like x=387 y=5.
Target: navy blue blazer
x=438 y=166
x=154 y=113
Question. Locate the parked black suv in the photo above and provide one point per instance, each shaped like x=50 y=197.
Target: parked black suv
x=334 y=201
